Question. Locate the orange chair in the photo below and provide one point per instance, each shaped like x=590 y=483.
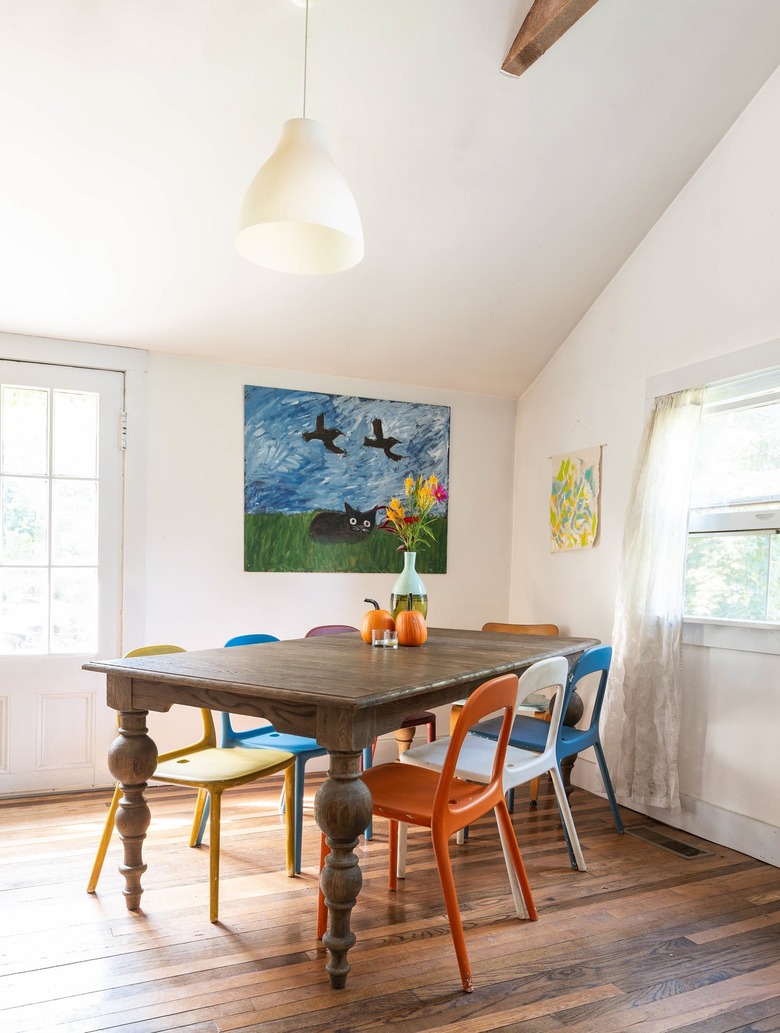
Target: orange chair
x=445 y=804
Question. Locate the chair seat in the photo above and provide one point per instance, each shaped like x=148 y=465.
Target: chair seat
x=475 y=760
x=218 y=765
x=528 y=733
x=408 y=795
x=269 y=737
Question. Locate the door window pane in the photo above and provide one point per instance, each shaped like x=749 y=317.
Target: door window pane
x=25 y=611
x=74 y=522
x=74 y=610
x=75 y=434
x=24 y=418
x=25 y=518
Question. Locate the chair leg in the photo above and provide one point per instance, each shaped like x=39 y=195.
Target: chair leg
x=533 y=792
x=368 y=762
x=444 y=867
x=105 y=839
x=400 y=868
x=392 y=857
x=608 y=788
x=568 y=820
x=518 y=879
x=300 y=781
x=289 y=824
x=514 y=884
x=199 y=817
x=214 y=834
x=322 y=907
x=454 y=715
x=203 y=819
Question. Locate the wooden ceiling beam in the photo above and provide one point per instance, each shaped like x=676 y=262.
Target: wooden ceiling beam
x=544 y=24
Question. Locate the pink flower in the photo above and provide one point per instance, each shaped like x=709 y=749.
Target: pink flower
x=440 y=493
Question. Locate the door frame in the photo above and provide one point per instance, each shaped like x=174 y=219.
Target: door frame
x=133 y=363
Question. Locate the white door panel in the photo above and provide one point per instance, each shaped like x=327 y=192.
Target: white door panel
x=61 y=468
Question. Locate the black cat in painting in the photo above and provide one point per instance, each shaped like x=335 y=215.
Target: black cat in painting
x=347 y=528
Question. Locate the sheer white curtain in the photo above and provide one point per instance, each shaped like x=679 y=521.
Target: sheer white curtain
x=642 y=707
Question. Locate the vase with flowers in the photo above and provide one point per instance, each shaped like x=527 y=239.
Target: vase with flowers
x=410 y=521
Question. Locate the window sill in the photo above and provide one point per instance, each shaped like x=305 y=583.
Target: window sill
x=739 y=635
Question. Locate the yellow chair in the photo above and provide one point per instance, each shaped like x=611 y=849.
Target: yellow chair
x=210 y=770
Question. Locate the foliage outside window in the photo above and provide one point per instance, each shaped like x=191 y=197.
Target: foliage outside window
x=733 y=561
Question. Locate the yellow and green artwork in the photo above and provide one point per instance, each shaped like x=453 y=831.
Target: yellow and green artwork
x=574 y=499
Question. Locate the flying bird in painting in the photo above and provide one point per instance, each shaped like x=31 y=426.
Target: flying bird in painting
x=380 y=441
x=327 y=435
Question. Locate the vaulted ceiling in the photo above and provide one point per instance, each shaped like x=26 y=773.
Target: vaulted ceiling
x=495 y=208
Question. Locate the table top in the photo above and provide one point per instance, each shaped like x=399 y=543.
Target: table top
x=334 y=688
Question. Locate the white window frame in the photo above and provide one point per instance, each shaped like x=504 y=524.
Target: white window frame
x=759 y=361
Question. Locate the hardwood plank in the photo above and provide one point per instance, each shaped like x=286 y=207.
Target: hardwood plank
x=642 y=941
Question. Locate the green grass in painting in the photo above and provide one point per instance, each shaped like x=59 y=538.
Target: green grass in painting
x=276 y=542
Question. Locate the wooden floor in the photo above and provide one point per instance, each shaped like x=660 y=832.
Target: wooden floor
x=644 y=941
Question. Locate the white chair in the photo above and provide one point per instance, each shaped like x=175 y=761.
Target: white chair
x=520 y=766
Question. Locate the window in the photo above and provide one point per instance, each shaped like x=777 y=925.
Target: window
x=48 y=520
x=733 y=560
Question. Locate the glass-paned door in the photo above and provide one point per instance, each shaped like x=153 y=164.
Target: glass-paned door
x=60 y=571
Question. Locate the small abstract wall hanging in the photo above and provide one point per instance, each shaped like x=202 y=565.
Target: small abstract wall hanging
x=574 y=499
x=319 y=470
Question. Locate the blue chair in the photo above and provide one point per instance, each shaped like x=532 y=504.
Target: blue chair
x=267 y=738
x=528 y=733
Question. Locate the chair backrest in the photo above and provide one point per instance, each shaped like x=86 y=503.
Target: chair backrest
x=521 y=629
x=228 y=737
x=552 y=673
x=598 y=658
x=498 y=694
x=328 y=629
x=209 y=738
x=154 y=651
x=250 y=640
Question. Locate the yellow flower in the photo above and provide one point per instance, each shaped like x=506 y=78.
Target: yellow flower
x=408 y=485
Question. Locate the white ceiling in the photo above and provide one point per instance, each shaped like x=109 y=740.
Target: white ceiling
x=495 y=209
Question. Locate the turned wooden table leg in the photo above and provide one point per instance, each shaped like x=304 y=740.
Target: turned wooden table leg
x=342 y=808
x=132 y=759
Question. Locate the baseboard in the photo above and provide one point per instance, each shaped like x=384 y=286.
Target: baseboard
x=726 y=828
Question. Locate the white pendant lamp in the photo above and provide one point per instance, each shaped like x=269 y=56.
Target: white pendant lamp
x=299 y=215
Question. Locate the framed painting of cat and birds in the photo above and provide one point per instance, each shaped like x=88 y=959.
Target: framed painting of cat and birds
x=319 y=470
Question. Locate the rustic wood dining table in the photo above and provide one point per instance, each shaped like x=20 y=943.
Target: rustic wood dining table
x=334 y=688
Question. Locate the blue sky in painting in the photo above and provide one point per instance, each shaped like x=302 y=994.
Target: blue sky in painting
x=283 y=473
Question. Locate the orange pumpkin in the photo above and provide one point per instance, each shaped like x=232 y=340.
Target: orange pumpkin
x=375 y=620
x=411 y=627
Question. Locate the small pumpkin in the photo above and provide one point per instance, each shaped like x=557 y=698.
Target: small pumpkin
x=411 y=627
x=375 y=620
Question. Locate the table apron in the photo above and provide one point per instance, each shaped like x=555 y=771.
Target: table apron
x=346 y=728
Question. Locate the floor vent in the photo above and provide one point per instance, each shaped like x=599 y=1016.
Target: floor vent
x=666 y=842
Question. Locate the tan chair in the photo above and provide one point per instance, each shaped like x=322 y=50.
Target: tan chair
x=521 y=629
x=210 y=770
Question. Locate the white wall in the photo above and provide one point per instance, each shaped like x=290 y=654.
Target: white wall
x=197 y=592
x=703 y=284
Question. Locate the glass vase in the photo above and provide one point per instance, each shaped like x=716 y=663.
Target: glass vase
x=409 y=583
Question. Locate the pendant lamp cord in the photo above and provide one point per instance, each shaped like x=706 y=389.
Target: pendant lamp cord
x=305 y=54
